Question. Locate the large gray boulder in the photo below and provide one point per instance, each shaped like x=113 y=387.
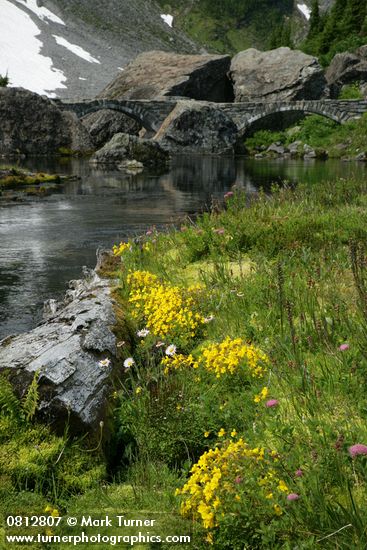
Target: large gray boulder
x=66 y=350
x=31 y=124
x=346 y=68
x=103 y=125
x=197 y=127
x=277 y=75
x=154 y=74
x=124 y=147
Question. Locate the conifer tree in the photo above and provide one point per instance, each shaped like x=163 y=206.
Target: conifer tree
x=315 y=21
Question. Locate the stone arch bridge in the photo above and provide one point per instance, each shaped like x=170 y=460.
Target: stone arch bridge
x=151 y=113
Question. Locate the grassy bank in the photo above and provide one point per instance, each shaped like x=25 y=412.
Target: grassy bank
x=263 y=390
x=240 y=415
x=322 y=134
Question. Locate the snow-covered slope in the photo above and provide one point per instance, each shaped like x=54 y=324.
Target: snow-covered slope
x=73 y=48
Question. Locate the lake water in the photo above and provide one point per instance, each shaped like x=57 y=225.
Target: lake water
x=45 y=242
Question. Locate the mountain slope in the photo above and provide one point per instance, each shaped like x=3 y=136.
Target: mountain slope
x=228 y=26
x=73 y=48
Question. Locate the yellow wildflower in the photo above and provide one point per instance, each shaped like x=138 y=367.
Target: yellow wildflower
x=164 y=308
x=121 y=248
x=178 y=361
x=233 y=355
x=262 y=395
x=214 y=482
x=277 y=509
x=282 y=486
x=221 y=432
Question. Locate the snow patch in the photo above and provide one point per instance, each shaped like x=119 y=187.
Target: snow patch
x=120 y=69
x=77 y=50
x=40 y=11
x=20 y=55
x=305 y=10
x=167 y=18
x=81 y=78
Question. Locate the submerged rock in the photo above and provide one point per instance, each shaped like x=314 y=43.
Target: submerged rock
x=124 y=146
x=277 y=75
x=156 y=73
x=197 y=127
x=31 y=124
x=131 y=166
x=66 y=350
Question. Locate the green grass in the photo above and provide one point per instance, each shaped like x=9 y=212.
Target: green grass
x=339 y=140
x=351 y=91
x=286 y=274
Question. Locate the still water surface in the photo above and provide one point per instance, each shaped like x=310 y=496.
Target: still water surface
x=45 y=242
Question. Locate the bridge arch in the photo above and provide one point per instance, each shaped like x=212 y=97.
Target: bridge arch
x=269 y=111
x=143 y=116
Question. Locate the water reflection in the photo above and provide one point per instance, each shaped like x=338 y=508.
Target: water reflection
x=44 y=243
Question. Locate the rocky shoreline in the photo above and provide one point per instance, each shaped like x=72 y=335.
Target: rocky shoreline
x=299 y=150
x=73 y=351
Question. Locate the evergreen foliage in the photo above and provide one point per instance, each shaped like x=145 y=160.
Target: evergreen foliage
x=343 y=28
x=4 y=80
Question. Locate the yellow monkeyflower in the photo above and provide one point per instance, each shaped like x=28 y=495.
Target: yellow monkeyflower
x=221 y=432
x=234 y=355
x=55 y=513
x=164 y=308
x=262 y=395
x=282 y=486
x=138 y=390
x=206 y=434
x=121 y=248
x=233 y=433
x=219 y=473
x=277 y=509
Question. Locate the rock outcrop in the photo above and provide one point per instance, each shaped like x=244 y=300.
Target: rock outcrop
x=103 y=125
x=346 y=68
x=31 y=124
x=197 y=127
x=277 y=75
x=124 y=146
x=154 y=74
x=66 y=351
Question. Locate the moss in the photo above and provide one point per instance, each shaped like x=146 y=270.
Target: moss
x=66 y=152
x=15 y=177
